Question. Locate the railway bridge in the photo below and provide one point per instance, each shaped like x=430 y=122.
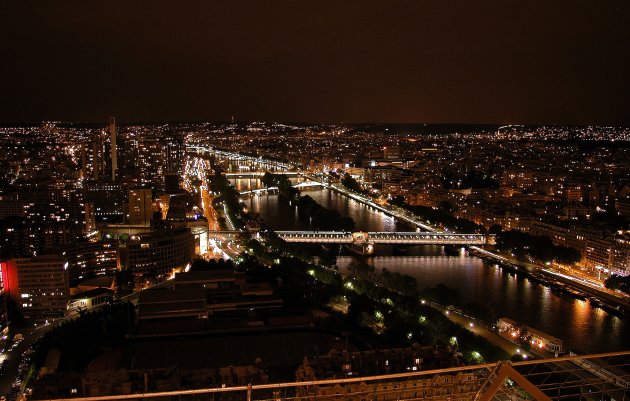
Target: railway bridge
x=365 y=241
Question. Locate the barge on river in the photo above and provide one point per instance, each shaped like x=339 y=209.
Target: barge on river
x=522 y=334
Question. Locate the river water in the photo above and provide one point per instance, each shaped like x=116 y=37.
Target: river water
x=574 y=321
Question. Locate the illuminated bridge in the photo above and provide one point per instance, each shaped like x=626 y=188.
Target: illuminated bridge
x=598 y=377
x=247 y=160
x=392 y=238
x=304 y=184
x=257 y=174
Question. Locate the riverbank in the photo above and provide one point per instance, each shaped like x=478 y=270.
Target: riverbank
x=504 y=293
x=574 y=282
x=567 y=279
x=481 y=329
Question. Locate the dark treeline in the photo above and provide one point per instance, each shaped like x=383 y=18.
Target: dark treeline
x=438 y=216
x=229 y=195
x=443 y=295
x=352 y=184
x=473 y=179
x=84 y=338
x=616 y=282
x=285 y=188
x=540 y=248
x=385 y=300
x=212 y=264
x=401 y=283
x=320 y=217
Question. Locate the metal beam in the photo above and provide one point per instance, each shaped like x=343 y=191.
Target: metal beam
x=508 y=372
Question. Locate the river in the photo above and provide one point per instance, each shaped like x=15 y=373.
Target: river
x=574 y=321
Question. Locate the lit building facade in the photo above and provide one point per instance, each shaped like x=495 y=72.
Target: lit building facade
x=140 y=207
x=4 y=317
x=39 y=285
x=88 y=259
x=159 y=253
x=108 y=199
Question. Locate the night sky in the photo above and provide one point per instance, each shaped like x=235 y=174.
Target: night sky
x=563 y=62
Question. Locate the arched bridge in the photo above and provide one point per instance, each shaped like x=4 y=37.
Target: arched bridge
x=372 y=238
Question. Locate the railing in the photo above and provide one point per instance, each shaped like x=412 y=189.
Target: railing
x=554 y=379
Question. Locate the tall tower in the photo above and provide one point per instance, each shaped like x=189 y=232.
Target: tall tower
x=112 y=131
x=97 y=162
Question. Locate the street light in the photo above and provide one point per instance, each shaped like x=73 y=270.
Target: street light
x=599 y=272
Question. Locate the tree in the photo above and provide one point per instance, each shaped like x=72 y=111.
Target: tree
x=495 y=229
x=616 y=282
x=267 y=179
x=200 y=265
x=567 y=255
x=352 y=184
x=446 y=207
x=538 y=247
x=195 y=182
x=16 y=318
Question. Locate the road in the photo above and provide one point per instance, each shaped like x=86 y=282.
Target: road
x=479 y=328
x=13 y=358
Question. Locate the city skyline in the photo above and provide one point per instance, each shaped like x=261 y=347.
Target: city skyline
x=424 y=246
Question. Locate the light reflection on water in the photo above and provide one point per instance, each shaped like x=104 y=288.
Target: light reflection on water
x=574 y=321
x=562 y=316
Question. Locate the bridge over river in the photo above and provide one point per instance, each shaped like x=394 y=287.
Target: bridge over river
x=366 y=240
x=268 y=190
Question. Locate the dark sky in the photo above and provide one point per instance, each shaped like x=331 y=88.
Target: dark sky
x=490 y=61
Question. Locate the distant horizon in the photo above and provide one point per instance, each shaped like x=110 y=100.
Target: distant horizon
x=105 y=121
